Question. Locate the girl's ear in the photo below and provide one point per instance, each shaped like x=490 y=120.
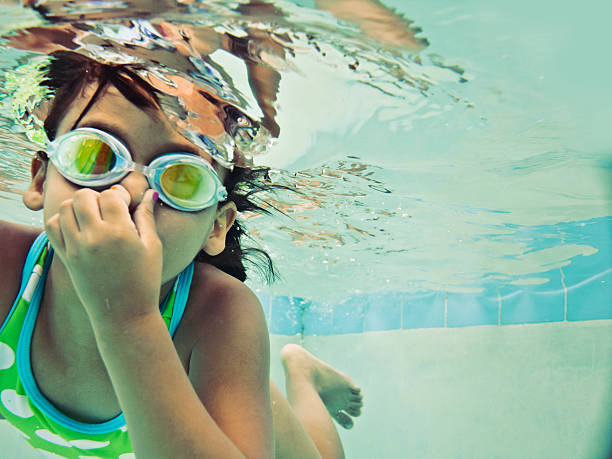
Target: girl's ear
x=33 y=197
x=226 y=215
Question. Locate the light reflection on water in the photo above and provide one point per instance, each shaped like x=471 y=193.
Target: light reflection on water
x=421 y=163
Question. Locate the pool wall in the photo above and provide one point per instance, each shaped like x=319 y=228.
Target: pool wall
x=569 y=295
x=517 y=391
x=576 y=289
x=508 y=372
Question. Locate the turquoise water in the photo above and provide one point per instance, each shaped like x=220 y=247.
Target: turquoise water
x=454 y=168
x=452 y=249
x=480 y=193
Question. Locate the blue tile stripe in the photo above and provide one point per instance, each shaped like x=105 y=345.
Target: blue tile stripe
x=591 y=299
x=557 y=300
x=570 y=293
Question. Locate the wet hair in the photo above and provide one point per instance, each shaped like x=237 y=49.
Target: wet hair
x=68 y=73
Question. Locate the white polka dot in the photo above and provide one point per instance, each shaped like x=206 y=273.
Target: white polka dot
x=48 y=454
x=89 y=444
x=52 y=438
x=123 y=428
x=7 y=356
x=15 y=403
x=128 y=456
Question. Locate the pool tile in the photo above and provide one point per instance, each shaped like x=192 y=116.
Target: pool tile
x=523 y=304
x=348 y=317
x=318 y=319
x=422 y=310
x=469 y=309
x=588 y=278
x=286 y=315
x=382 y=312
x=591 y=299
x=524 y=307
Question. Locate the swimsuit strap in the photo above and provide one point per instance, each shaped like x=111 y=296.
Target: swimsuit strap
x=33 y=281
x=27 y=276
x=182 y=286
x=174 y=305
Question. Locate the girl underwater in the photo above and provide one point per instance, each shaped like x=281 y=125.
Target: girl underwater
x=113 y=342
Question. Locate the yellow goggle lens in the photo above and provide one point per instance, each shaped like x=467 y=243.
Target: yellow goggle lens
x=187 y=182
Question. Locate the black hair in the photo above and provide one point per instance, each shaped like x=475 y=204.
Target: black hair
x=69 y=72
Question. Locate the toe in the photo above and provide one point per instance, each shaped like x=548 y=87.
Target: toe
x=357 y=404
x=344 y=419
x=354 y=411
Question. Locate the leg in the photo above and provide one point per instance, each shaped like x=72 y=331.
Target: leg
x=315 y=391
x=291 y=440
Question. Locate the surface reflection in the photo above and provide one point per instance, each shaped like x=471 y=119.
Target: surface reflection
x=219 y=70
x=171 y=44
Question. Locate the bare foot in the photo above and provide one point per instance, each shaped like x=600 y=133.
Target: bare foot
x=341 y=396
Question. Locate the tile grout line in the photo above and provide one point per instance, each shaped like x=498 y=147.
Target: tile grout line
x=564 y=287
x=401 y=327
x=363 y=323
x=564 y=294
x=445 y=309
x=302 y=321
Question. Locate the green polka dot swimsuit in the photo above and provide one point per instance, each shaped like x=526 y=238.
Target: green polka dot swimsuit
x=51 y=432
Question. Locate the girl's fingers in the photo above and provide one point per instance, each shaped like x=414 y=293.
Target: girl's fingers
x=123 y=194
x=68 y=224
x=114 y=205
x=144 y=218
x=54 y=233
x=85 y=207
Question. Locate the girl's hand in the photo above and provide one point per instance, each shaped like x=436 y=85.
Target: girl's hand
x=114 y=262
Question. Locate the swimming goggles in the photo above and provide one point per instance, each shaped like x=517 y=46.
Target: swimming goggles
x=94 y=158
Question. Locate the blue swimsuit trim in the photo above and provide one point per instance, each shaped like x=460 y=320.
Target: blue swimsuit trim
x=24 y=366
x=183 y=283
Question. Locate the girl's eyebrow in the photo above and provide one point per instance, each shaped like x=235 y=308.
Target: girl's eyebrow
x=170 y=147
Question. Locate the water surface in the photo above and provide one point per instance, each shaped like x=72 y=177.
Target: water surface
x=473 y=154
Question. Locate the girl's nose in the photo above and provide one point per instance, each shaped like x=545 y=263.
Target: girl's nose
x=136 y=184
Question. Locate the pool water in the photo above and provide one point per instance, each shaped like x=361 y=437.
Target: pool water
x=451 y=248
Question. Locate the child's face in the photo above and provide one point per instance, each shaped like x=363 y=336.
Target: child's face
x=147 y=135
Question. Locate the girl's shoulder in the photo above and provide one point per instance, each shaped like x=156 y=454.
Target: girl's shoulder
x=220 y=304
x=223 y=296
x=15 y=242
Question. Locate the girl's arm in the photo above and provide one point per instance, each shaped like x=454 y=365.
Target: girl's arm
x=230 y=369
x=115 y=265
x=220 y=410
